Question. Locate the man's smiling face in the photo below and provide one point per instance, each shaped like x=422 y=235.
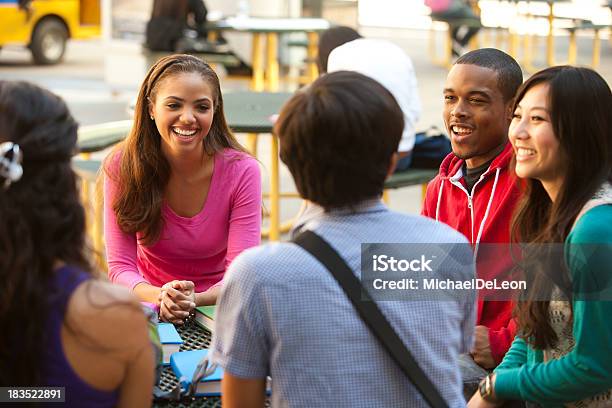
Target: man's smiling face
x=475 y=113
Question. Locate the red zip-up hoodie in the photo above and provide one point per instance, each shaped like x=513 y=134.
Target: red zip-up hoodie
x=483 y=216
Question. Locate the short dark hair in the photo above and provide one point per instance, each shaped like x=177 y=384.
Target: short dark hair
x=330 y=40
x=337 y=138
x=509 y=74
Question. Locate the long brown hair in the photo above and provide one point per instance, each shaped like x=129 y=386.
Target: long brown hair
x=144 y=171
x=41 y=222
x=579 y=103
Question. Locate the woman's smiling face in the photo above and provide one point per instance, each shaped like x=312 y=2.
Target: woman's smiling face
x=537 y=148
x=183 y=112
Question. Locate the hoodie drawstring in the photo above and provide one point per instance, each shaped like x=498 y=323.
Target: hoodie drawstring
x=439 y=199
x=484 y=219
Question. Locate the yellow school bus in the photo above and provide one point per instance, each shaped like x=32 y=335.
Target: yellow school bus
x=44 y=26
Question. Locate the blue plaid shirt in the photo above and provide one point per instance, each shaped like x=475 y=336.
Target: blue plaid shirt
x=282 y=314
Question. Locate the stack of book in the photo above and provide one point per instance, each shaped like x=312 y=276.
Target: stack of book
x=184 y=365
x=205 y=317
x=170 y=340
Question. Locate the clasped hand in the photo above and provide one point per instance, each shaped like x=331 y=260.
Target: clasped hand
x=176 y=301
x=481 y=353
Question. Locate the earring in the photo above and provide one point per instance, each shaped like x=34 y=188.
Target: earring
x=152 y=118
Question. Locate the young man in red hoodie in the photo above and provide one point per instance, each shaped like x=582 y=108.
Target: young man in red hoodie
x=475 y=192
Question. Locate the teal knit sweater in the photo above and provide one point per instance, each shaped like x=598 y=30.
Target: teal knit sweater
x=587 y=369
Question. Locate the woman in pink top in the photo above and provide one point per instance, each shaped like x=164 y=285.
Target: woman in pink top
x=182 y=198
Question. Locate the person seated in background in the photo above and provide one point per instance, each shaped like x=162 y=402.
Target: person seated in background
x=463 y=22
x=182 y=197
x=388 y=64
x=420 y=150
x=280 y=313
x=170 y=19
x=475 y=191
x=180 y=26
x=329 y=40
x=562 y=141
x=61 y=327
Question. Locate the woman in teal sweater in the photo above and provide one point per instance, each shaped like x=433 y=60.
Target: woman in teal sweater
x=562 y=141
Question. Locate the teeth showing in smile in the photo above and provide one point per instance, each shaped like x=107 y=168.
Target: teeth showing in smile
x=461 y=130
x=184 y=132
x=524 y=152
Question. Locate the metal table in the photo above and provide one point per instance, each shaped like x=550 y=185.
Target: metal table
x=266 y=77
x=252 y=113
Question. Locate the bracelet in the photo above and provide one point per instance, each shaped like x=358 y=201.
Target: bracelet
x=485 y=389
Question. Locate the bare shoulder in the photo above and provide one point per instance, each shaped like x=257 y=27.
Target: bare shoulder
x=108 y=314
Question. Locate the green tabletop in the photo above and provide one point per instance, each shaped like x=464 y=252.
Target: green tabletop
x=253 y=112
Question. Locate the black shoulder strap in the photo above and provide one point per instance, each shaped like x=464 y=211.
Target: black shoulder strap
x=370 y=314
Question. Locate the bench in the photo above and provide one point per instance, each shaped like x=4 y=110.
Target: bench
x=407 y=178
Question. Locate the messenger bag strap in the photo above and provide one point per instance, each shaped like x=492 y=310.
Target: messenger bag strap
x=370 y=314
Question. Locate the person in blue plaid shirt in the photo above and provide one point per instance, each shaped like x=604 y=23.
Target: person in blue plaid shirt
x=282 y=314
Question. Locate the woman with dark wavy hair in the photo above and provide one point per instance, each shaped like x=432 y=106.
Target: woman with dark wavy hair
x=182 y=198
x=562 y=140
x=60 y=326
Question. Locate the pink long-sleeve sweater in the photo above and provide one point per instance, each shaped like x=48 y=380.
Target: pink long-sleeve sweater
x=199 y=248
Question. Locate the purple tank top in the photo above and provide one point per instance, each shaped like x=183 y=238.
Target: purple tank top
x=58 y=372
